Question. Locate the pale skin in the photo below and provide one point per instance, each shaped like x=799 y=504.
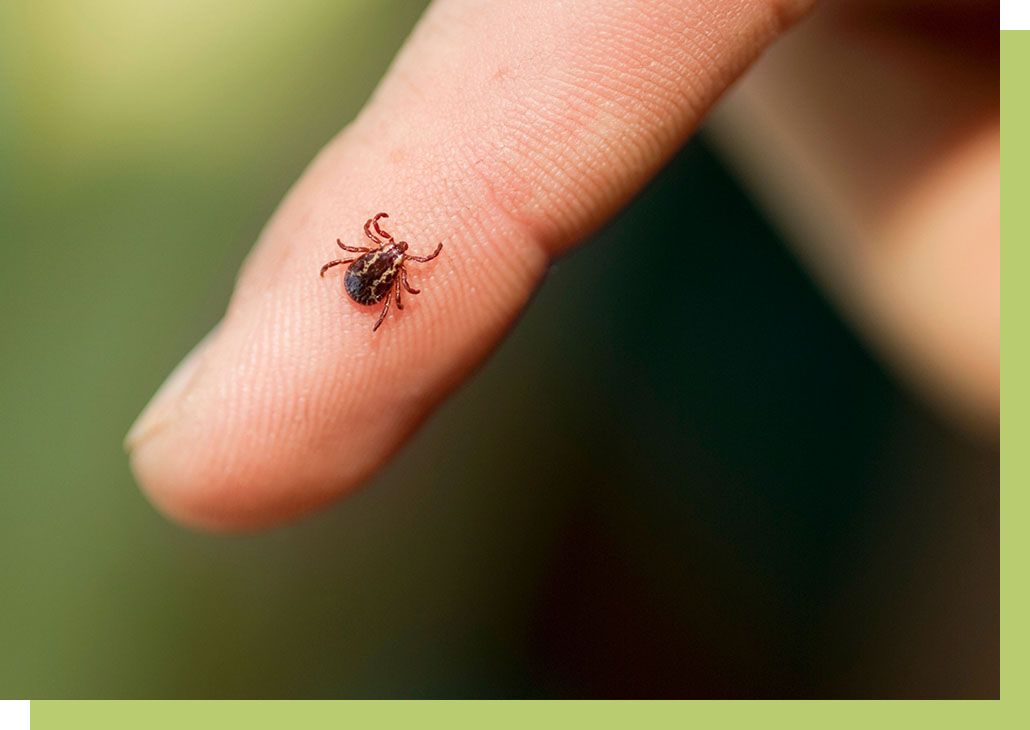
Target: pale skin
x=506 y=131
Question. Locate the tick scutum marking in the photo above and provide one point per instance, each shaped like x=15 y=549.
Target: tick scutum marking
x=369 y=279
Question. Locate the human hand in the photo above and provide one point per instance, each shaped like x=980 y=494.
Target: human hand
x=883 y=167
x=507 y=131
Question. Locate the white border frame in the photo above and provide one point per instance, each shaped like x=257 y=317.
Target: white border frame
x=14 y=715
x=1015 y=14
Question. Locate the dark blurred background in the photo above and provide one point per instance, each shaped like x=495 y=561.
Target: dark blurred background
x=709 y=491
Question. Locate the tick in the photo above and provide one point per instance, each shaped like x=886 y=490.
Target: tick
x=379 y=271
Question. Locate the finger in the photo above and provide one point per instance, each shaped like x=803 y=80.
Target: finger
x=506 y=131
x=926 y=294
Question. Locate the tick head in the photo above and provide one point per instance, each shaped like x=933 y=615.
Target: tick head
x=402 y=246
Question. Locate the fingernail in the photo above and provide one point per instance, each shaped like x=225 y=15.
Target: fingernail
x=163 y=406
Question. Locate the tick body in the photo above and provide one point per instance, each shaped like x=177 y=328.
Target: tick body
x=380 y=272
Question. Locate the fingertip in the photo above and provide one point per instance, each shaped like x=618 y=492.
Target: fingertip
x=198 y=498
x=211 y=490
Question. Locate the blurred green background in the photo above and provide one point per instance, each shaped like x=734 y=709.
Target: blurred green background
x=712 y=493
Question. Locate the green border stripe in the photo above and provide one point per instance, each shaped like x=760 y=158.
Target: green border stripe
x=504 y=715
x=1015 y=357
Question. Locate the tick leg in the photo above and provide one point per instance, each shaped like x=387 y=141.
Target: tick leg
x=374 y=223
x=372 y=237
x=352 y=249
x=383 y=315
x=331 y=264
x=430 y=257
x=380 y=231
x=397 y=291
x=404 y=280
